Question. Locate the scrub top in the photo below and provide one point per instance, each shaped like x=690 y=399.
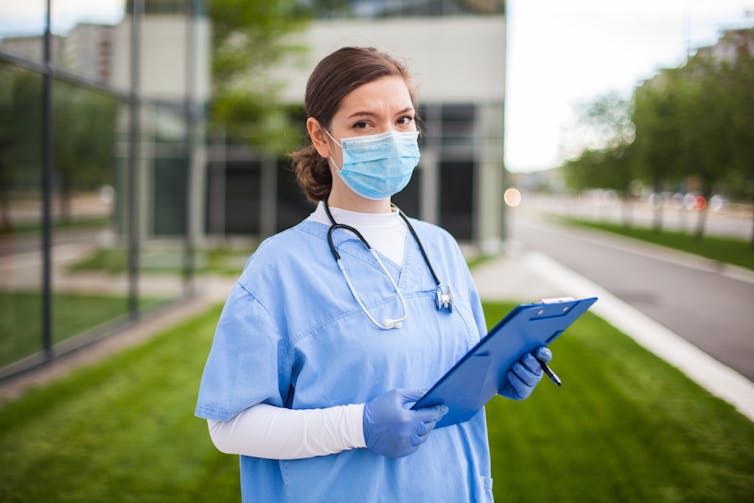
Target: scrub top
x=292 y=335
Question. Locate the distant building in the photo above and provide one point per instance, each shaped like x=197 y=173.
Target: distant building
x=31 y=47
x=88 y=51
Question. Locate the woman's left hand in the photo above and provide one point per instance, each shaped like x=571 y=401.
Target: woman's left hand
x=524 y=375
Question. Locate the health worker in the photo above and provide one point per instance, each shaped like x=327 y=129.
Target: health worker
x=336 y=325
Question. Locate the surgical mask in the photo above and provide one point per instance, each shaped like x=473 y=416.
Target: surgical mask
x=380 y=165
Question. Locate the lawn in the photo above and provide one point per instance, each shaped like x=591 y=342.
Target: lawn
x=727 y=250
x=35 y=227
x=625 y=426
x=21 y=319
x=224 y=261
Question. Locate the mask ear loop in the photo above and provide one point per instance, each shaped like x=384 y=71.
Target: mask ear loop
x=330 y=157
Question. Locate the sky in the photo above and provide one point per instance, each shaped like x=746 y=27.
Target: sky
x=562 y=54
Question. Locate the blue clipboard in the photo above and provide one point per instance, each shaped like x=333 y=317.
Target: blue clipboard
x=473 y=380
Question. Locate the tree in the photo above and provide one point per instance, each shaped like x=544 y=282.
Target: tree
x=83 y=143
x=705 y=146
x=742 y=113
x=658 y=122
x=609 y=119
x=249 y=37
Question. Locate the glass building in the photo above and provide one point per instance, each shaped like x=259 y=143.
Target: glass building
x=110 y=193
x=101 y=152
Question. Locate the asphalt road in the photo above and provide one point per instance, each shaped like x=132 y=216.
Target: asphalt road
x=710 y=306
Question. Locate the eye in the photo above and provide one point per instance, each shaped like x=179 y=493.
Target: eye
x=405 y=120
x=360 y=125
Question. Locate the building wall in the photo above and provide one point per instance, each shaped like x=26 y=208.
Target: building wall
x=163 y=58
x=452 y=59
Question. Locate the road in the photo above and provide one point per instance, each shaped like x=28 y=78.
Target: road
x=710 y=306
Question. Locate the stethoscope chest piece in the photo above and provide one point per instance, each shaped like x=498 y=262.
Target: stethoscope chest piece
x=444 y=297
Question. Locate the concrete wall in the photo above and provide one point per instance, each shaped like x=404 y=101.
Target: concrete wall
x=452 y=59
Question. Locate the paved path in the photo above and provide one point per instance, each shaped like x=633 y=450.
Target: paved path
x=707 y=303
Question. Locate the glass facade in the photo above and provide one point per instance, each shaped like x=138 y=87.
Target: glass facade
x=94 y=174
x=402 y=8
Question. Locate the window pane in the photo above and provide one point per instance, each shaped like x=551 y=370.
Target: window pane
x=89 y=260
x=456 y=194
x=20 y=214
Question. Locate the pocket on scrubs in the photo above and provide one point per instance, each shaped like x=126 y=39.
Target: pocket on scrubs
x=468 y=319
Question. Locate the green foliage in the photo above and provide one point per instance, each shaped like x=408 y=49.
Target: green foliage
x=693 y=125
x=609 y=163
x=83 y=142
x=84 y=139
x=657 y=117
x=624 y=426
x=249 y=38
x=22 y=127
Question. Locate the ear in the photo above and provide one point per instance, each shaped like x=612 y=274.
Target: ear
x=319 y=136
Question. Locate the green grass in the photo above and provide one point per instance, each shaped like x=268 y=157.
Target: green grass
x=728 y=250
x=223 y=261
x=78 y=223
x=21 y=319
x=624 y=427
x=122 y=430
x=480 y=259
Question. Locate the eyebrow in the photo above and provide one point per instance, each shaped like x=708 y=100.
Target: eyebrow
x=365 y=113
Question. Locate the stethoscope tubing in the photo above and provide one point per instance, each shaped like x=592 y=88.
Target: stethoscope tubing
x=444 y=296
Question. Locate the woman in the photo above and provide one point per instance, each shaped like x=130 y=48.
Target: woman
x=325 y=343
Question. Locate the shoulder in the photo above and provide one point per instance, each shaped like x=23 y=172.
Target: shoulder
x=289 y=250
x=434 y=235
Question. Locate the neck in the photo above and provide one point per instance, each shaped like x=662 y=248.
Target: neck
x=347 y=200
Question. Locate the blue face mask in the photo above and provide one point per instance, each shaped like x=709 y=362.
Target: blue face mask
x=380 y=165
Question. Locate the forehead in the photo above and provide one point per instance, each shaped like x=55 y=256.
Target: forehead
x=387 y=93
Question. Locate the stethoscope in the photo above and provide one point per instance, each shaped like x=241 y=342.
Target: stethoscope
x=443 y=294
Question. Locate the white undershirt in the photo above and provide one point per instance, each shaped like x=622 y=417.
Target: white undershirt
x=266 y=431
x=385 y=232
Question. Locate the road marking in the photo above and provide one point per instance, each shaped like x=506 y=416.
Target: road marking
x=717 y=378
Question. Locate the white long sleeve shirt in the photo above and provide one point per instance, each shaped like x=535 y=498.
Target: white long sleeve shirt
x=266 y=431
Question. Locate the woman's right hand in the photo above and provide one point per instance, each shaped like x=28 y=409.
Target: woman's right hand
x=392 y=429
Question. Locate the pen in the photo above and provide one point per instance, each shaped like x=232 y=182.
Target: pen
x=552 y=375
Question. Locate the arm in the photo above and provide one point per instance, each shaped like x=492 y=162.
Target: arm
x=266 y=431
x=385 y=425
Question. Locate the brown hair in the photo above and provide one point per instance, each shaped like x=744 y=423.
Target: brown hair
x=332 y=79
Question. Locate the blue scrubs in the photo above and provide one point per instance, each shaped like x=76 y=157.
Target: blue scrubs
x=292 y=335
